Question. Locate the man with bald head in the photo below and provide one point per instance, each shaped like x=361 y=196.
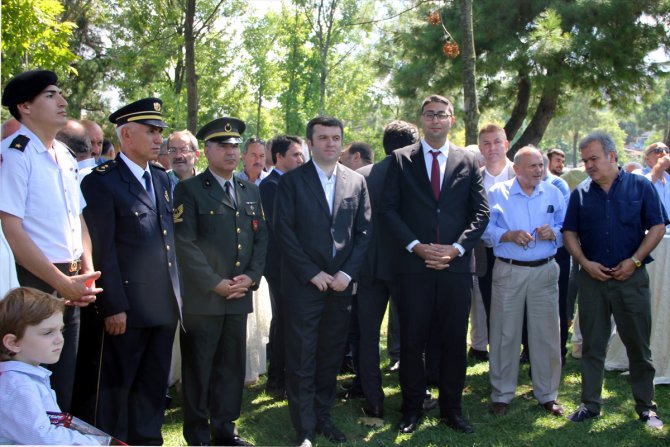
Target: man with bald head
x=525 y=232
x=96 y=135
x=75 y=137
x=9 y=127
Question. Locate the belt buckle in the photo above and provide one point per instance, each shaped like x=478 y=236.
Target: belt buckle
x=74 y=266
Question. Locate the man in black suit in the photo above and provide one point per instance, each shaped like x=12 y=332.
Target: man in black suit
x=322 y=223
x=221 y=242
x=286 y=155
x=435 y=205
x=129 y=212
x=376 y=284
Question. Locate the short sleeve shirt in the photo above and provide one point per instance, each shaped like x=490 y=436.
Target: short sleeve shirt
x=611 y=225
x=43 y=191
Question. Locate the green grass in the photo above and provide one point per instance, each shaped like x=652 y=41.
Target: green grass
x=265 y=421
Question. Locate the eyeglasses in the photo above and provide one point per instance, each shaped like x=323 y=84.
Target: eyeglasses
x=430 y=116
x=533 y=242
x=659 y=150
x=180 y=150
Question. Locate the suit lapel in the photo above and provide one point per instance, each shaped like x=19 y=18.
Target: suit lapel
x=453 y=159
x=314 y=184
x=419 y=169
x=340 y=188
x=161 y=190
x=134 y=186
x=216 y=192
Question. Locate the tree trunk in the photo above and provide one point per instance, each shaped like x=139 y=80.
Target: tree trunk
x=470 y=104
x=258 y=110
x=575 y=141
x=189 y=62
x=520 y=110
x=543 y=114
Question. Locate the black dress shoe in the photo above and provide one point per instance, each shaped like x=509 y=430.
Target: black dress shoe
x=332 y=433
x=409 y=424
x=458 y=423
x=374 y=411
x=234 y=441
x=351 y=393
x=480 y=356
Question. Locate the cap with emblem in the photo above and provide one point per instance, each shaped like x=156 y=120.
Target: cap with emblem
x=145 y=111
x=25 y=87
x=222 y=130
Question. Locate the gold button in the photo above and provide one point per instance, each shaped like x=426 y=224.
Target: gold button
x=164 y=232
x=238 y=231
x=125 y=282
x=136 y=213
x=167 y=247
x=169 y=264
x=237 y=214
x=239 y=246
x=237 y=264
x=211 y=212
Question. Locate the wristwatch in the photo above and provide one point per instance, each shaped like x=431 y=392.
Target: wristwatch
x=636 y=261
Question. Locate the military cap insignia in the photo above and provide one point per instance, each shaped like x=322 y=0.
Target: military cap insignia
x=228 y=127
x=157 y=106
x=178 y=212
x=19 y=143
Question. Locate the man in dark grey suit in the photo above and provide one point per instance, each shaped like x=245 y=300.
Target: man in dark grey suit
x=322 y=221
x=221 y=242
x=435 y=205
x=286 y=154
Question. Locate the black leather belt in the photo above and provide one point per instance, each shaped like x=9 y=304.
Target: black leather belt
x=537 y=263
x=69 y=268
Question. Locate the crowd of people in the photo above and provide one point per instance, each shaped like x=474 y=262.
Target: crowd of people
x=139 y=256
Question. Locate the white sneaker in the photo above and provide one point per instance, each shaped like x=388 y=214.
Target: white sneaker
x=651 y=419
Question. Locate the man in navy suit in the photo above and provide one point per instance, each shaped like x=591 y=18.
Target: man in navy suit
x=322 y=224
x=129 y=211
x=286 y=156
x=435 y=205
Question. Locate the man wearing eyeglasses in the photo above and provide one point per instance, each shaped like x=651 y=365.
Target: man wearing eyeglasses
x=652 y=154
x=182 y=148
x=435 y=206
x=525 y=232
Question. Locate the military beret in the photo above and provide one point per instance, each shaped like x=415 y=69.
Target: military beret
x=222 y=130
x=26 y=86
x=145 y=111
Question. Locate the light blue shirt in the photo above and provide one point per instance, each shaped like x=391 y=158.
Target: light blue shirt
x=25 y=398
x=243 y=175
x=663 y=190
x=512 y=209
x=561 y=184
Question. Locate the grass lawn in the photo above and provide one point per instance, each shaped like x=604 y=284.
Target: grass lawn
x=266 y=422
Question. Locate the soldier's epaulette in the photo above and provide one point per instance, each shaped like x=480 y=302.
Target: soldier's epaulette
x=105 y=167
x=158 y=166
x=19 y=143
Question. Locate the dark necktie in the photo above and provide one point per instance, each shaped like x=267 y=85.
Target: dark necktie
x=435 y=175
x=147 y=182
x=229 y=192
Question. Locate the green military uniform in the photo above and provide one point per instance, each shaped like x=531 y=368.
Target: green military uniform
x=216 y=238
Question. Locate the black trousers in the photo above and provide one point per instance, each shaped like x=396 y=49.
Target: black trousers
x=421 y=297
x=133 y=378
x=213 y=350
x=485 y=284
x=316 y=332
x=62 y=377
x=276 y=345
x=369 y=306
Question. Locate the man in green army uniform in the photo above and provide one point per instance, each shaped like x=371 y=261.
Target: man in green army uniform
x=221 y=241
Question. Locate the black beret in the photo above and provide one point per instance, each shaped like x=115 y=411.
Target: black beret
x=26 y=86
x=145 y=111
x=222 y=130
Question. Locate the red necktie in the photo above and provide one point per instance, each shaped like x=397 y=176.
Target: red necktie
x=435 y=185
x=435 y=175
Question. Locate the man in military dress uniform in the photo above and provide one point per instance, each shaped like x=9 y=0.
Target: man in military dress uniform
x=129 y=210
x=221 y=243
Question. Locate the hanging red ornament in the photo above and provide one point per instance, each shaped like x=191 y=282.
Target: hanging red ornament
x=434 y=18
x=450 y=49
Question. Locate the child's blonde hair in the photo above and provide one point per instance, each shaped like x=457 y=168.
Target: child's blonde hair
x=23 y=307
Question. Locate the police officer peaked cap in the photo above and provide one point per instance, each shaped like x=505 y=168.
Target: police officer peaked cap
x=145 y=111
x=222 y=130
x=26 y=86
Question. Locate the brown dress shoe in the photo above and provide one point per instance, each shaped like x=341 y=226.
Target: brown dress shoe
x=553 y=407
x=498 y=408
